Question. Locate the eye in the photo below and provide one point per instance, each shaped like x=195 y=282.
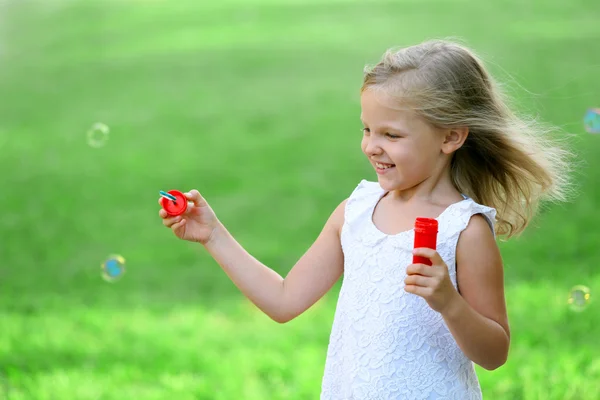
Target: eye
x=366 y=130
x=392 y=136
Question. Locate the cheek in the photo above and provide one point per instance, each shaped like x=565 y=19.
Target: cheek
x=404 y=155
x=412 y=162
x=414 y=152
x=363 y=144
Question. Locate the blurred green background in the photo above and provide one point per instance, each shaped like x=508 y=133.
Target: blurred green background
x=255 y=103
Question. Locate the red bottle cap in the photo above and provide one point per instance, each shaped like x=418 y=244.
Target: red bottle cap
x=177 y=207
x=426 y=225
x=426 y=230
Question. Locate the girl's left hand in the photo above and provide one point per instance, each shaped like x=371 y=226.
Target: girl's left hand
x=431 y=282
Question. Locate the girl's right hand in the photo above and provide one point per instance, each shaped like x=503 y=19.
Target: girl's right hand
x=197 y=224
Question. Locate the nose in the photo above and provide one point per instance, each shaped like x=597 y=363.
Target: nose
x=371 y=146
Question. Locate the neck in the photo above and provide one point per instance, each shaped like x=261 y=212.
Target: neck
x=437 y=186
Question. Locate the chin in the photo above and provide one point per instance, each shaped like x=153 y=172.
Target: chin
x=391 y=185
x=386 y=184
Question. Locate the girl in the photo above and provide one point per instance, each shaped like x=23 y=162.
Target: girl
x=444 y=145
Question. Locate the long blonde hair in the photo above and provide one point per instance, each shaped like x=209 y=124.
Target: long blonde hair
x=507 y=162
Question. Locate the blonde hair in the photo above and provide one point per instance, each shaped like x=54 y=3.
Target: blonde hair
x=507 y=162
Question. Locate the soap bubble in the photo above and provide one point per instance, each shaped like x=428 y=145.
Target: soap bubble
x=113 y=268
x=97 y=135
x=579 y=298
x=591 y=120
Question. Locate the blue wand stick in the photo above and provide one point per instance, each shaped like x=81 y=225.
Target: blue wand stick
x=168 y=196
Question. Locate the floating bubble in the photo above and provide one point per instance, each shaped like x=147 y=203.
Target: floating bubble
x=579 y=298
x=591 y=120
x=97 y=136
x=113 y=268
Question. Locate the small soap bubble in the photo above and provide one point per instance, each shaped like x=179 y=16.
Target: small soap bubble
x=113 y=268
x=97 y=135
x=579 y=298
x=591 y=120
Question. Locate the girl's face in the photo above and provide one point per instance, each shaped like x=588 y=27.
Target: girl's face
x=399 y=138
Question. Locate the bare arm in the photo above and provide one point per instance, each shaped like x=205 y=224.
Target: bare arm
x=478 y=319
x=283 y=299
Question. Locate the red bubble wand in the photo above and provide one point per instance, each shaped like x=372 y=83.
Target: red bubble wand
x=173 y=202
x=426 y=230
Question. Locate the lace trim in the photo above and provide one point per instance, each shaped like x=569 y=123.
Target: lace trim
x=363 y=200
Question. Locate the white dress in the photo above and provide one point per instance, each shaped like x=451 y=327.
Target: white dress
x=386 y=343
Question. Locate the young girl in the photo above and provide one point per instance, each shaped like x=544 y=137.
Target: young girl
x=444 y=145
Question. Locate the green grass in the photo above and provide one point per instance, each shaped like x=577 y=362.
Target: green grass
x=256 y=105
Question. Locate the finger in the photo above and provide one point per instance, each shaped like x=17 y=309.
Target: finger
x=418 y=280
x=195 y=197
x=162 y=213
x=419 y=269
x=178 y=225
x=432 y=254
x=168 y=222
x=422 y=291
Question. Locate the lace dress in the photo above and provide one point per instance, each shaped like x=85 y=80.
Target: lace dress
x=386 y=343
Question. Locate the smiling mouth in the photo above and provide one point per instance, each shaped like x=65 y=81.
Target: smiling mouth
x=384 y=166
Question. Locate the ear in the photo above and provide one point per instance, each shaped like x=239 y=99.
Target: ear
x=454 y=139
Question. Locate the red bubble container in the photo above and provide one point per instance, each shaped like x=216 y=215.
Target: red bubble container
x=426 y=230
x=177 y=207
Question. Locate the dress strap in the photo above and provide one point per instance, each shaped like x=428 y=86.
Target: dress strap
x=458 y=217
x=362 y=199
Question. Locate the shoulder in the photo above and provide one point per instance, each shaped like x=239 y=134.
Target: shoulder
x=474 y=217
x=368 y=186
x=336 y=220
x=478 y=228
x=477 y=248
x=365 y=190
